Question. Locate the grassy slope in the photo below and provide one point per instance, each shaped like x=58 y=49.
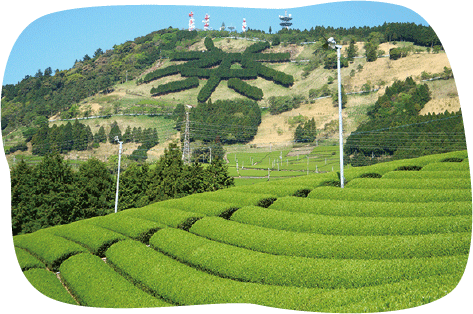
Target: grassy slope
x=189 y=274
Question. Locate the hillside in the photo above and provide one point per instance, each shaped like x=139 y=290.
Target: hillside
x=127 y=97
x=391 y=239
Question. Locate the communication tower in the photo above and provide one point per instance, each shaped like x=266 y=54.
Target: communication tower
x=285 y=20
x=191 y=22
x=206 y=22
x=243 y=25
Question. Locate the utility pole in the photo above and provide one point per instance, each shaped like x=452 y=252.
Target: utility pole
x=118 y=172
x=186 y=151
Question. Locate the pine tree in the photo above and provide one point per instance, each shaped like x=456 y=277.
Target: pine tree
x=114 y=131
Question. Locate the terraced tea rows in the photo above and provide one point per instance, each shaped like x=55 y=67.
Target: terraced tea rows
x=397 y=236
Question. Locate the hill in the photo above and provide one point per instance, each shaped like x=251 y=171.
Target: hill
x=397 y=236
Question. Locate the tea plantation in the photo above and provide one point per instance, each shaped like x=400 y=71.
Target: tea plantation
x=397 y=236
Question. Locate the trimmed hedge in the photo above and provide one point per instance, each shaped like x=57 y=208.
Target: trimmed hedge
x=50 y=249
x=290 y=243
x=175 y=86
x=245 y=89
x=135 y=228
x=447 y=166
x=251 y=266
x=423 y=175
x=185 y=285
x=95 y=239
x=208 y=88
x=48 y=284
x=93 y=283
x=26 y=260
x=161 y=72
x=371 y=209
x=390 y=195
x=171 y=217
x=278 y=190
x=232 y=196
x=440 y=184
x=198 y=205
x=357 y=226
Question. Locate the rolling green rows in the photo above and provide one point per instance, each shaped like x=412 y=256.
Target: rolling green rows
x=185 y=285
x=26 y=260
x=135 y=228
x=50 y=249
x=48 y=284
x=93 y=283
x=95 y=239
x=427 y=175
x=231 y=196
x=250 y=266
x=289 y=243
x=357 y=226
x=390 y=195
x=371 y=209
x=439 y=184
x=447 y=166
x=198 y=205
x=278 y=190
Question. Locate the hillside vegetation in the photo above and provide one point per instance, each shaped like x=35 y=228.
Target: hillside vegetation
x=397 y=236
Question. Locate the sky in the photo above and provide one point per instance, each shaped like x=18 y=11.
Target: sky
x=40 y=49
x=56 y=40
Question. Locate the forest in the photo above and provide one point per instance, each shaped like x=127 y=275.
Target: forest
x=395 y=130
x=51 y=193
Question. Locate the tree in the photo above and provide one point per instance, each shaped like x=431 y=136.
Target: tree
x=114 y=131
x=270 y=30
x=100 y=136
x=218 y=175
x=22 y=191
x=351 y=50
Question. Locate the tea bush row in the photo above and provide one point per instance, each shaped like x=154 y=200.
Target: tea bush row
x=250 y=266
x=343 y=225
x=135 y=228
x=198 y=205
x=185 y=285
x=447 y=166
x=171 y=217
x=233 y=197
x=438 y=184
x=94 y=238
x=391 y=195
x=48 y=284
x=50 y=249
x=96 y=284
x=312 y=245
x=26 y=260
x=371 y=209
x=426 y=175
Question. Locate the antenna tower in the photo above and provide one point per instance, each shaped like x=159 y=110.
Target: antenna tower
x=206 y=22
x=243 y=25
x=285 y=20
x=186 y=151
x=191 y=22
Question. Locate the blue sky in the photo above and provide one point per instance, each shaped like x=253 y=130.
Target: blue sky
x=56 y=40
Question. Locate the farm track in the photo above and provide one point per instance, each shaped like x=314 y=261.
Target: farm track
x=313 y=253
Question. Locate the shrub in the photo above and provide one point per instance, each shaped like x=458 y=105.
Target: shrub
x=49 y=249
x=452 y=159
x=95 y=239
x=371 y=209
x=198 y=205
x=245 y=89
x=175 y=86
x=162 y=72
x=251 y=266
x=441 y=184
x=232 y=197
x=266 y=202
x=135 y=228
x=171 y=217
x=280 y=242
x=350 y=226
x=48 y=284
x=427 y=175
x=95 y=284
x=447 y=166
x=26 y=260
x=208 y=88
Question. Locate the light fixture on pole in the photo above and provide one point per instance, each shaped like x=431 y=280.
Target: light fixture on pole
x=333 y=44
x=118 y=173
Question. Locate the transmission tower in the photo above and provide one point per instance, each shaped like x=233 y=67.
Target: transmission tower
x=186 y=151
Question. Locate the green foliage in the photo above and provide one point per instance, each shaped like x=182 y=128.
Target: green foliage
x=280 y=242
x=48 y=284
x=245 y=89
x=176 y=86
x=86 y=275
x=230 y=121
x=306 y=132
x=251 y=266
x=279 y=104
x=48 y=248
x=26 y=260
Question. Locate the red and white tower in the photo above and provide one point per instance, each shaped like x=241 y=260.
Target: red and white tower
x=206 y=22
x=191 y=22
x=243 y=25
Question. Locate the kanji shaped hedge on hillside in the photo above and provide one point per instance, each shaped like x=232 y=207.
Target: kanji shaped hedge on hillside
x=215 y=65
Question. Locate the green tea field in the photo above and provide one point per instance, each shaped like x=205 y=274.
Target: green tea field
x=397 y=236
